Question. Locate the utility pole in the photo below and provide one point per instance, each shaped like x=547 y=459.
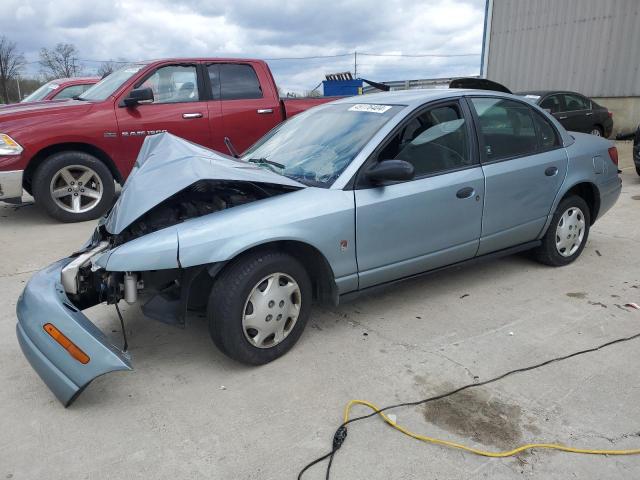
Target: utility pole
x=355 y=64
x=18 y=82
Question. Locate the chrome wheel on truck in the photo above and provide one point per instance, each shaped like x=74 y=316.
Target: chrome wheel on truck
x=76 y=188
x=73 y=186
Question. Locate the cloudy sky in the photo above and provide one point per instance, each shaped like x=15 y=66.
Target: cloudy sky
x=143 y=29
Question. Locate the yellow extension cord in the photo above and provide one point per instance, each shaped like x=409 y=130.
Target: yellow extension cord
x=484 y=453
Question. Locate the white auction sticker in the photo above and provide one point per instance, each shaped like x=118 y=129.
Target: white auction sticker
x=369 y=107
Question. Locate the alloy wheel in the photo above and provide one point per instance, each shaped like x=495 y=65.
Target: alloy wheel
x=76 y=188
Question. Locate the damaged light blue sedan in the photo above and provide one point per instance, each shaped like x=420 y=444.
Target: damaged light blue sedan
x=342 y=198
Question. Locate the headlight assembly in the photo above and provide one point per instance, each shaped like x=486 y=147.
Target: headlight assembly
x=8 y=146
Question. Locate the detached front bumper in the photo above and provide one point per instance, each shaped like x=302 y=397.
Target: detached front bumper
x=44 y=301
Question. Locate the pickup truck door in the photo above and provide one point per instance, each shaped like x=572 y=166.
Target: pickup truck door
x=177 y=108
x=247 y=101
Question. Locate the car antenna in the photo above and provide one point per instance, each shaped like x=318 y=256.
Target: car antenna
x=230 y=147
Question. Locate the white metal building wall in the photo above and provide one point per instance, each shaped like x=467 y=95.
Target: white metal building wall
x=590 y=46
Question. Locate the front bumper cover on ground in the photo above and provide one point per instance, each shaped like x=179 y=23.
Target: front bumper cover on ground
x=45 y=301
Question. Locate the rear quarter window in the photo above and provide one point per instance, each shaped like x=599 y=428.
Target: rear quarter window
x=547 y=135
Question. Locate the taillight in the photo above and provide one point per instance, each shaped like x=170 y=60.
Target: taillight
x=610 y=114
x=67 y=344
x=613 y=155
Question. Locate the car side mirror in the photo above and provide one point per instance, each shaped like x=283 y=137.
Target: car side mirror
x=138 y=95
x=390 y=171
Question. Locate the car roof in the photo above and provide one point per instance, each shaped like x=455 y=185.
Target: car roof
x=417 y=97
x=198 y=59
x=542 y=93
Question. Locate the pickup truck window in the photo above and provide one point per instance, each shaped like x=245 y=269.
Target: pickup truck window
x=237 y=81
x=173 y=84
x=108 y=85
x=315 y=146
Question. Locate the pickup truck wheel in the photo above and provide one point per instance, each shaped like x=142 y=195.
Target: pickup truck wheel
x=259 y=306
x=73 y=186
x=567 y=234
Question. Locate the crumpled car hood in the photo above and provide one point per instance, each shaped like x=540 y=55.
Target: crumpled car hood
x=168 y=164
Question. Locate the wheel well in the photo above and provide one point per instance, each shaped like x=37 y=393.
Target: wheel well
x=589 y=193
x=46 y=152
x=317 y=266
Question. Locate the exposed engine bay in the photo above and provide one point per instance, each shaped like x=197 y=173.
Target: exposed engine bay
x=201 y=198
x=88 y=286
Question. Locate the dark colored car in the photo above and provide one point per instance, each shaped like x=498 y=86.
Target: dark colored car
x=574 y=111
x=636 y=150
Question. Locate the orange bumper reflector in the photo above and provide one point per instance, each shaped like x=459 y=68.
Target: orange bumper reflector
x=67 y=344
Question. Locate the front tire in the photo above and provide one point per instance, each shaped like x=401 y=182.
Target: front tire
x=567 y=233
x=73 y=187
x=259 y=306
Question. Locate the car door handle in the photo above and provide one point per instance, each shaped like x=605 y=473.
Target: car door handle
x=589 y=114
x=551 y=171
x=562 y=117
x=264 y=110
x=192 y=115
x=465 y=192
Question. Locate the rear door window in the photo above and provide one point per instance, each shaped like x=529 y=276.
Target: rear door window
x=506 y=128
x=552 y=104
x=237 y=81
x=575 y=103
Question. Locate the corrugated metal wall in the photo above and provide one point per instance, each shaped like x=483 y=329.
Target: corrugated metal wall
x=590 y=46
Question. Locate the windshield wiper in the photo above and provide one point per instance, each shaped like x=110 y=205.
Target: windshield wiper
x=264 y=161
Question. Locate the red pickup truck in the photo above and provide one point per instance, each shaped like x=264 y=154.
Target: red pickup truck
x=68 y=154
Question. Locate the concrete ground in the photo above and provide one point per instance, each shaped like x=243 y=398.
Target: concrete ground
x=187 y=412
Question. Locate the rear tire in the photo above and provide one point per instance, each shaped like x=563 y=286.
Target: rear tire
x=73 y=187
x=567 y=233
x=254 y=321
x=597 y=131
